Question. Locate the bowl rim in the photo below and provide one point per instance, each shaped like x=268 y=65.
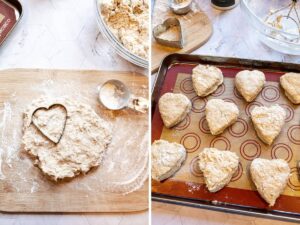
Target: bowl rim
x=116 y=44
x=244 y=3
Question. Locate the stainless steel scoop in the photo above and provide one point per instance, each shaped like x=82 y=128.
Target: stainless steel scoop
x=115 y=95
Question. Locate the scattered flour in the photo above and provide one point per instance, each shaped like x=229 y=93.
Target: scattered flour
x=125 y=164
x=192 y=187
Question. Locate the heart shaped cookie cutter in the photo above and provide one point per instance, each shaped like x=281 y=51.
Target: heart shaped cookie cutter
x=48 y=136
x=165 y=26
x=180 y=7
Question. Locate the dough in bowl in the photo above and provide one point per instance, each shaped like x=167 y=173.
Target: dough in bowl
x=83 y=140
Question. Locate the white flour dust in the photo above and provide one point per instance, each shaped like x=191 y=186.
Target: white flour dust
x=125 y=165
x=192 y=187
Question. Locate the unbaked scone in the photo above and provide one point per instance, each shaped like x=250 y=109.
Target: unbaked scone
x=268 y=122
x=173 y=108
x=206 y=79
x=220 y=115
x=290 y=82
x=249 y=83
x=82 y=145
x=218 y=167
x=167 y=158
x=270 y=177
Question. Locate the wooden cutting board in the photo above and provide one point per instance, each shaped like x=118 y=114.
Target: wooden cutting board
x=195 y=25
x=196 y=28
x=23 y=187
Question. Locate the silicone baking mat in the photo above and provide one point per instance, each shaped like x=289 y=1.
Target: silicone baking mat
x=241 y=138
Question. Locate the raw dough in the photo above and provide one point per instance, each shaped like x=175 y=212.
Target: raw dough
x=173 y=108
x=270 y=177
x=56 y=116
x=82 y=146
x=268 y=122
x=250 y=83
x=167 y=158
x=218 y=167
x=220 y=115
x=128 y=21
x=206 y=79
x=290 y=82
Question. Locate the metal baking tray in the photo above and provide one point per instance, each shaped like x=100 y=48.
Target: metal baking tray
x=11 y=12
x=177 y=192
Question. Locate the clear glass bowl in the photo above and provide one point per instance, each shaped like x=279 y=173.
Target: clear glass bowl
x=282 y=40
x=115 y=43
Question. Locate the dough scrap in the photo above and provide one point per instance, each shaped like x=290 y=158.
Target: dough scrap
x=250 y=83
x=173 y=108
x=290 y=82
x=270 y=177
x=268 y=122
x=220 y=115
x=82 y=146
x=218 y=167
x=167 y=158
x=206 y=79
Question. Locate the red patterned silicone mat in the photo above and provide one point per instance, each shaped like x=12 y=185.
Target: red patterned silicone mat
x=241 y=138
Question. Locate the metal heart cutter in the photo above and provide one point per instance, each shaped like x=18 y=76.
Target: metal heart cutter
x=169 y=33
x=51 y=121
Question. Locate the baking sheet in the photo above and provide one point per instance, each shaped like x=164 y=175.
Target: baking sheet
x=11 y=12
x=193 y=133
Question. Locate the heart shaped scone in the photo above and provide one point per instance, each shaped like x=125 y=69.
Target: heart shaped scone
x=290 y=82
x=217 y=167
x=169 y=33
x=173 y=108
x=220 y=115
x=268 y=122
x=167 y=158
x=249 y=83
x=51 y=121
x=270 y=177
x=206 y=79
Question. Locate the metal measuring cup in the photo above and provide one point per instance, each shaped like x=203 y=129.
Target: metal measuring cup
x=115 y=95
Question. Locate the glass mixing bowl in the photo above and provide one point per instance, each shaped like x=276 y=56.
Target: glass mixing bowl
x=275 y=30
x=115 y=43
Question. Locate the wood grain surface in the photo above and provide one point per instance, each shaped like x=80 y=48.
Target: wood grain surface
x=196 y=28
x=64 y=197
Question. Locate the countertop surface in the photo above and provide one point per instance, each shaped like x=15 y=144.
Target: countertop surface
x=56 y=34
x=232 y=37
